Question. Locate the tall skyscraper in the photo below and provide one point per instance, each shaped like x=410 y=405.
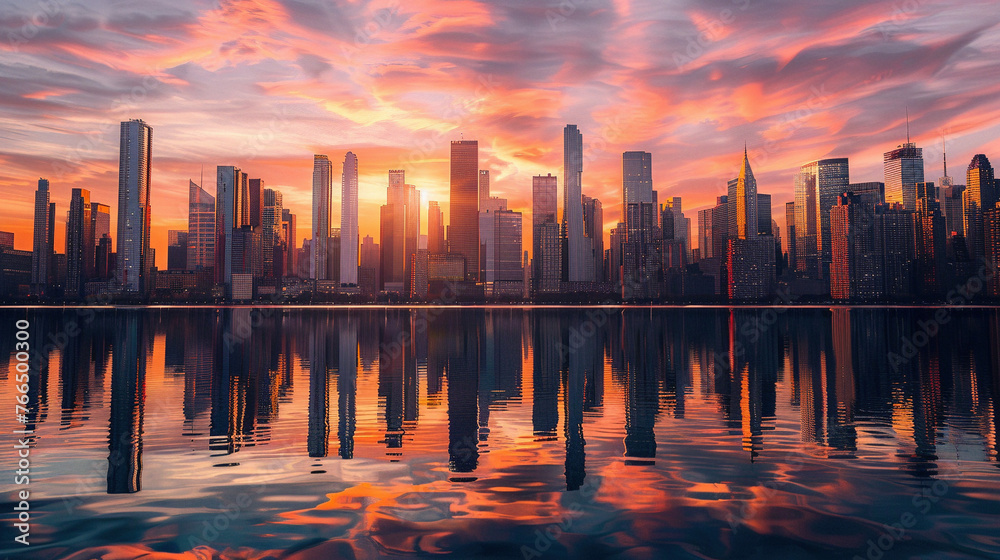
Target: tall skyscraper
x=855 y=272
x=435 y=229
x=288 y=223
x=817 y=187
x=368 y=273
x=790 y=233
x=255 y=188
x=500 y=246
x=593 y=229
x=392 y=235
x=978 y=197
x=545 y=243
x=321 y=200
x=100 y=215
x=177 y=249
x=637 y=178
x=705 y=233
x=931 y=242
x=895 y=249
x=764 y=214
x=463 y=236
x=79 y=243
x=134 y=168
x=904 y=168
x=201 y=228
x=349 y=221
x=573 y=204
x=232 y=224
x=484 y=189
x=271 y=233
x=743 y=203
x=41 y=249
x=411 y=233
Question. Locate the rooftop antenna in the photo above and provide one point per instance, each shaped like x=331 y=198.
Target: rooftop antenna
x=944 y=151
x=907 y=125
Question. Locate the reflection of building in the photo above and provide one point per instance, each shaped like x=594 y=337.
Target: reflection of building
x=128 y=392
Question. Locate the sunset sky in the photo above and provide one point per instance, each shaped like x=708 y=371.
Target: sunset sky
x=266 y=84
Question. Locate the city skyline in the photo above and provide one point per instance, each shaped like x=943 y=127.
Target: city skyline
x=792 y=98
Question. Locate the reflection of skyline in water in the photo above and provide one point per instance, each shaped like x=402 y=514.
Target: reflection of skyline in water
x=582 y=389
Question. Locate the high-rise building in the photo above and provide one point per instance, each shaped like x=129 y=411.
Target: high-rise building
x=272 y=245
x=743 y=222
x=463 y=234
x=545 y=239
x=951 y=207
x=931 y=242
x=764 y=214
x=991 y=222
x=100 y=215
x=637 y=178
x=978 y=197
x=201 y=228
x=41 y=249
x=817 y=187
x=500 y=250
x=435 y=229
x=79 y=243
x=233 y=235
x=134 y=168
x=576 y=241
x=255 y=189
x=593 y=229
x=321 y=200
x=749 y=256
x=177 y=249
x=895 y=249
x=392 y=236
x=790 y=233
x=484 y=189
x=411 y=233
x=855 y=272
x=291 y=243
x=368 y=272
x=641 y=253
x=349 y=222
x=904 y=168
x=705 y=233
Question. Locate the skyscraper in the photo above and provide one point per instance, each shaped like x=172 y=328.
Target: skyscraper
x=484 y=189
x=855 y=271
x=392 y=235
x=895 y=249
x=41 y=249
x=931 y=242
x=463 y=237
x=435 y=229
x=232 y=225
x=349 y=221
x=271 y=233
x=321 y=200
x=790 y=233
x=201 y=228
x=743 y=203
x=545 y=242
x=573 y=204
x=637 y=178
x=177 y=249
x=904 y=168
x=978 y=197
x=593 y=229
x=79 y=243
x=134 y=168
x=288 y=223
x=411 y=233
x=817 y=187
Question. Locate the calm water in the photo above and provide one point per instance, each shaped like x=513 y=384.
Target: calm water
x=510 y=433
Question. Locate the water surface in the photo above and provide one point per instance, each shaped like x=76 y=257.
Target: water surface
x=510 y=433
